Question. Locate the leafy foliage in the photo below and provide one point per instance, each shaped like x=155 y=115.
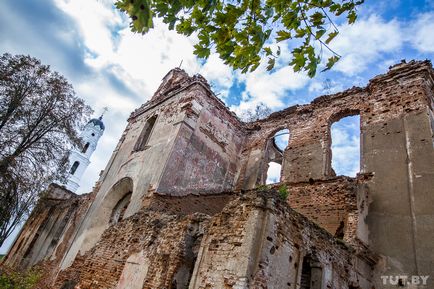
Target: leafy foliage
x=240 y=30
x=283 y=192
x=19 y=280
x=40 y=117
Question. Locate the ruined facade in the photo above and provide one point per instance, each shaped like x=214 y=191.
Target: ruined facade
x=181 y=202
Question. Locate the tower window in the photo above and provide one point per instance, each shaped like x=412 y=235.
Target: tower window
x=74 y=167
x=145 y=134
x=86 y=146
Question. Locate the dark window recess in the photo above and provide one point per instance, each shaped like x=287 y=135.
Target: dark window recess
x=120 y=208
x=145 y=134
x=74 y=167
x=305 y=273
x=311 y=273
x=340 y=231
x=86 y=146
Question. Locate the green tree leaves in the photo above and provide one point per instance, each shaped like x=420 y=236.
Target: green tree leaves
x=239 y=30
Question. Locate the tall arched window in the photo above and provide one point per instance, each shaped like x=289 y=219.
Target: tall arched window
x=74 y=167
x=345 y=146
x=145 y=134
x=86 y=146
x=275 y=148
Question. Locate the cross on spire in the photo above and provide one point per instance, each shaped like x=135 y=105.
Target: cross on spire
x=104 y=110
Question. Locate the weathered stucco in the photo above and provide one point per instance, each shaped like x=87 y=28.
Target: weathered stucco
x=188 y=165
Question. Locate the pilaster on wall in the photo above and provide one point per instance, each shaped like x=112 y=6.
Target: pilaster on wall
x=398 y=150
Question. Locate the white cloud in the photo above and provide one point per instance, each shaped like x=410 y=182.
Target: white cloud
x=95 y=20
x=273 y=173
x=421 y=32
x=269 y=88
x=364 y=43
x=149 y=57
x=346 y=146
x=220 y=75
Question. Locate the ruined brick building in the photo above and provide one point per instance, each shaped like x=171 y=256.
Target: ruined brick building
x=181 y=204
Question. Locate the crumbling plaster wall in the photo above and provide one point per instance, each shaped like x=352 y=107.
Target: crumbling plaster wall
x=258 y=242
x=255 y=241
x=48 y=232
x=396 y=148
x=193 y=148
x=205 y=157
x=198 y=147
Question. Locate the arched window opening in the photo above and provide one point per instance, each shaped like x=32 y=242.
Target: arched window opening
x=281 y=139
x=145 y=134
x=276 y=145
x=120 y=208
x=86 y=146
x=345 y=146
x=273 y=173
x=74 y=167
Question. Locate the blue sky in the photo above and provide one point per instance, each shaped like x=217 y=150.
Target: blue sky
x=89 y=42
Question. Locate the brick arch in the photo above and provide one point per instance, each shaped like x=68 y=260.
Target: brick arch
x=338 y=115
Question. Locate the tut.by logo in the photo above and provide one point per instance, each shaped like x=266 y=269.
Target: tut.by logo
x=403 y=280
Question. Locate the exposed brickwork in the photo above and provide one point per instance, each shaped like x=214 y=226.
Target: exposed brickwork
x=327 y=203
x=274 y=238
x=166 y=241
x=198 y=149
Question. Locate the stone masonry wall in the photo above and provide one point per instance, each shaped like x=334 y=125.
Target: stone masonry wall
x=259 y=242
x=197 y=147
x=147 y=250
x=48 y=232
x=328 y=203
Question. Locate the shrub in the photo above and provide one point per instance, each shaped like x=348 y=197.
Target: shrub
x=19 y=280
x=283 y=192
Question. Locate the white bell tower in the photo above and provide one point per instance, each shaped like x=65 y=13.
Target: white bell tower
x=79 y=157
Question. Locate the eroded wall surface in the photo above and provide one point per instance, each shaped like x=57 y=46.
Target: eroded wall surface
x=259 y=242
x=183 y=148
x=255 y=241
x=48 y=233
x=396 y=112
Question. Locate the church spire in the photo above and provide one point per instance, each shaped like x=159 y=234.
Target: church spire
x=79 y=158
